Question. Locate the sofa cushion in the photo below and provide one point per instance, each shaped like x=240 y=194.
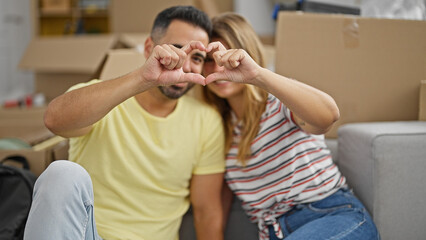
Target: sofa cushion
x=385 y=164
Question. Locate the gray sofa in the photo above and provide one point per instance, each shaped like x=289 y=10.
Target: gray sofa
x=384 y=163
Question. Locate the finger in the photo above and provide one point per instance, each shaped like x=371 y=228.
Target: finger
x=193 y=78
x=217 y=56
x=236 y=58
x=227 y=60
x=182 y=57
x=215 y=46
x=174 y=57
x=215 y=77
x=161 y=55
x=192 y=46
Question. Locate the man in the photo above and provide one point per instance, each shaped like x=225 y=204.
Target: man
x=149 y=152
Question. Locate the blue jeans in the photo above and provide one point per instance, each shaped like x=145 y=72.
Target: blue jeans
x=62 y=206
x=339 y=216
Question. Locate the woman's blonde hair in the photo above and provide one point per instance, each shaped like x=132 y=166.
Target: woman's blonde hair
x=239 y=34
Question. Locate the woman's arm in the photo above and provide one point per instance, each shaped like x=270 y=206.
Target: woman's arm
x=313 y=110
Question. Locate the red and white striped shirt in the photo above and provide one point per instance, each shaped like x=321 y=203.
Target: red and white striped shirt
x=288 y=167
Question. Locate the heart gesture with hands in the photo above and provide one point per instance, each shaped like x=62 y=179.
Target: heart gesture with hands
x=237 y=65
x=165 y=65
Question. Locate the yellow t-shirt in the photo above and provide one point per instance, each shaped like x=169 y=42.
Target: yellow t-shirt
x=141 y=166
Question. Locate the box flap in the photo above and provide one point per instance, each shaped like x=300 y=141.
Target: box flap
x=133 y=40
x=25 y=124
x=69 y=54
x=371 y=67
x=120 y=62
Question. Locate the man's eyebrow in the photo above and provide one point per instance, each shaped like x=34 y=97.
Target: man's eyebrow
x=196 y=53
x=200 y=55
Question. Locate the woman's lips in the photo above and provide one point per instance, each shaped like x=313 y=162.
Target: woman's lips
x=221 y=82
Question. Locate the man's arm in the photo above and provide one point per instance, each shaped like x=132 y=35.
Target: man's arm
x=73 y=113
x=207 y=208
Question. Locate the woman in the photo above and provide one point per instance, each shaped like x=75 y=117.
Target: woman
x=276 y=166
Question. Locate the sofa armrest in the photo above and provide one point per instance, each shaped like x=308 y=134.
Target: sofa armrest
x=385 y=164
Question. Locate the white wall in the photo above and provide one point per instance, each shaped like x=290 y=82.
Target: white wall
x=15 y=34
x=400 y=9
x=258 y=13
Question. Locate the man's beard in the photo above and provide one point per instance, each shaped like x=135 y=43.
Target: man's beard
x=175 y=92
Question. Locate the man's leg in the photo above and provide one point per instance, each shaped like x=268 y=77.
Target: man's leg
x=62 y=206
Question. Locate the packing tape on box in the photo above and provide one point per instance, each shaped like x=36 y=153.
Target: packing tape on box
x=350 y=33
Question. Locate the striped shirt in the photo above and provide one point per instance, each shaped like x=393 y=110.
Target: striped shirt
x=287 y=167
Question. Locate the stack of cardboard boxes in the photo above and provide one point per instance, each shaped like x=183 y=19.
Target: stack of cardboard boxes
x=60 y=62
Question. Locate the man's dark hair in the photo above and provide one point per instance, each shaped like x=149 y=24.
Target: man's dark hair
x=188 y=14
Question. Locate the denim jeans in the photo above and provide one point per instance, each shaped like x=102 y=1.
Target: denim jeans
x=62 y=206
x=338 y=216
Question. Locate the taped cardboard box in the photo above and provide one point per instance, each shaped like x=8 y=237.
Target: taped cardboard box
x=60 y=62
x=26 y=125
x=371 y=67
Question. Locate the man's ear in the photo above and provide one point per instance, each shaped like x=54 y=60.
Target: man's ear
x=149 y=45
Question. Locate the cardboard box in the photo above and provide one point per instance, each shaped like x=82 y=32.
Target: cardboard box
x=422 y=101
x=138 y=16
x=27 y=125
x=371 y=67
x=120 y=62
x=60 y=62
x=55 y=6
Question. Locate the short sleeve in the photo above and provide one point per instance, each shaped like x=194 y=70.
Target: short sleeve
x=80 y=85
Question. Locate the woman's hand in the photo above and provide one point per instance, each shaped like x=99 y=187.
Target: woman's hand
x=236 y=65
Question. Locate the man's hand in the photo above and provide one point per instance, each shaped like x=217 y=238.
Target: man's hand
x=164 y=65
x=237 y=64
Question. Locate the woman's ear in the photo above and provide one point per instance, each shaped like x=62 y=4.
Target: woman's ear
x=149 y=45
